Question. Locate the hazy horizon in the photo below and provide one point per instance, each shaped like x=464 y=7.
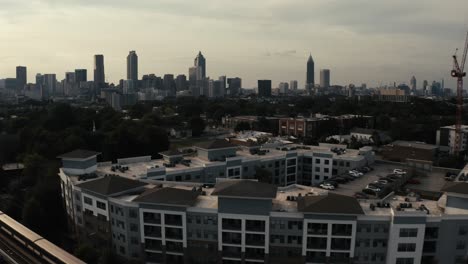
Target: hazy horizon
x=360 y=41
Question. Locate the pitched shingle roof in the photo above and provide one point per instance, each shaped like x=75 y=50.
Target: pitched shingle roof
x=168 y=196
x=216 y=144
x=330 y=203
x=456 y=187
x=111 y=185
x=245 y=188
x=79 y=154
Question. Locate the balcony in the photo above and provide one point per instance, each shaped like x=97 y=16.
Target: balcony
x=341 y=244
x=255 y=253
x=342 y=230
x=174 y=233
x=152 y=231
x=317 y=229
x=173 y=220
x=153 y=244
x=255 y=225
x=152 y=218
x=232 y=224
x=255 y=240
x=232 y=238
x=232 y=252
x=316 y=243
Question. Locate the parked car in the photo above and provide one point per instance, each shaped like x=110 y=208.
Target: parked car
x=450 y=177
x=361 y=195
x=327 y=186
x=388 y=179
x=334 y=183
x=348 y=177
x=462 y=177
x=368 y=168
x=413 y=181
x=374 y=188
x=399 y=171
x=369 y=191
x=382 y=181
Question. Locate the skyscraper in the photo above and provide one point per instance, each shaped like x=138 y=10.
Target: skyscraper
x=293 y=85
x=99 y=76
x=310 y=78
x=264 y=88
x=425 y=84
x=234 y=86
x=325 y=78
x=181 y=82
x=169 y=84
x=195 y=74
x=413 y=84
x=132 y=66
x=201 y=62
x=21 y=77
x=81 y=75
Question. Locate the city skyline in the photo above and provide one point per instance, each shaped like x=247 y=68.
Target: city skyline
x=396 y=40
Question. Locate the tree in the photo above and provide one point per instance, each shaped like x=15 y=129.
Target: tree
x=198 y=126
x=263 y=175
x=87 y=253
x=242 y=126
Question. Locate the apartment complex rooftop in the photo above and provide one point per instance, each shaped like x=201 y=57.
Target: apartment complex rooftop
x=79 y=154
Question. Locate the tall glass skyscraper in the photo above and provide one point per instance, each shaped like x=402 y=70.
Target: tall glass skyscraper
x=132 y=66
x=201 y=62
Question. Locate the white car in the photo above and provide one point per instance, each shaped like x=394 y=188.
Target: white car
x=399 y=171
x=327 y=186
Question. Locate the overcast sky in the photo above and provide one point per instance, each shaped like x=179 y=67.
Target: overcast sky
x=360 y=41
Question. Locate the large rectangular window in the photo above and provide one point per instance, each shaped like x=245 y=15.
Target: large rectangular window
x=317 y=229
x=317 y=243
x=342 y=230
x=100 y=205
x=232 y=224
x=255 y=225
x=408 y=232
x=406 y=247
x=404 y=261
x=88 y=200
x=341 y=244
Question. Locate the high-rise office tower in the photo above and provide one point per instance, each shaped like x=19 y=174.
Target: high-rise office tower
x=50 y=83
x=21 y=77
x=195 y=74
x=325 y=78
x=181 y=82
x=81 y=75
x=201 y=62
x=222 y=79
x=283 y=88
x=425 y=83
x=132 y=66
x=234 y=86
x=293 y=85
x=413 y=84
x=264 y=88
x=169 y=84
x=99 y=76
x=310 y=78
x=70 y=77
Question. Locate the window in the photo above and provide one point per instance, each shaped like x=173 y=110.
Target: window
x=341 y=244
x=134 y=241
x=408 y=232
x=132 y=213
x=317 y=169
x=317 y=177
x=317 y=228
x=431 y=232
x=404 y=261
x=316 y=242
x=78 y=208
x=462 y=230
x=317 y=161
x=326 y=170
x=122 y=250
x=461 y=244
x=88 y=200
x=101 y=205
x=133 y=227
x=327 y=162
x=342 y=230
x=406 y=247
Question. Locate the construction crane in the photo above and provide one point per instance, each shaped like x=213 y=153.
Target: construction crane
x=458 y=72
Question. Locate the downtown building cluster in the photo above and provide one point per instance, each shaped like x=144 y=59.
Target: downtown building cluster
x=202 y=205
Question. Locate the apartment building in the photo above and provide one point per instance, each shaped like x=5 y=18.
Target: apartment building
x=245 y=221
x=446 y=138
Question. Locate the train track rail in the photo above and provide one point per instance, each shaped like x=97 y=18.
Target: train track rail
x=19 y=255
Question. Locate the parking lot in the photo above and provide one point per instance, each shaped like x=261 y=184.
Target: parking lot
x=380 y=170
